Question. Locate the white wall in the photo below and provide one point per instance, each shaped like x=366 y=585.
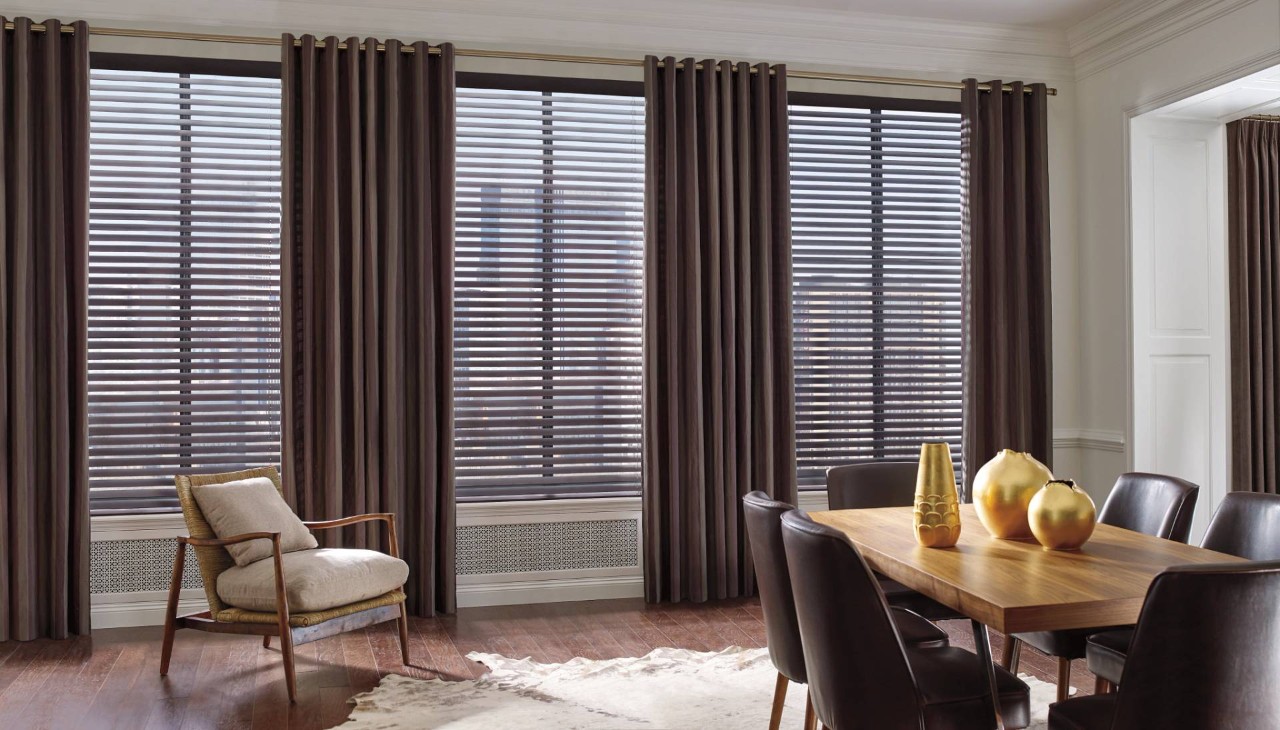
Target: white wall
x=1132 y=62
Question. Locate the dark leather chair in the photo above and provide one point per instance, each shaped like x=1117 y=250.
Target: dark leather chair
x=1152 y=504
x=861 y=673
x=1246 y=524
x=872 y=484
x=1204 y=656
x=763 y=517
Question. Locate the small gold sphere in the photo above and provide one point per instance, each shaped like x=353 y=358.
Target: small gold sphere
x=1062 y=515
x=1003 y=488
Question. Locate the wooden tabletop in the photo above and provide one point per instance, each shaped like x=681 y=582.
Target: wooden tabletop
x=1013 y=585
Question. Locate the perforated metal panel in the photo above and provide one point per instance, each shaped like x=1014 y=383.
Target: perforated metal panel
x=526 y=548
x=129 y=566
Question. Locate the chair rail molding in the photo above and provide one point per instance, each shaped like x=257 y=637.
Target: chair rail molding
x=1088 y=438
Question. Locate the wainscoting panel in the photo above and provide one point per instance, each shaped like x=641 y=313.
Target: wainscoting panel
x=508 y=553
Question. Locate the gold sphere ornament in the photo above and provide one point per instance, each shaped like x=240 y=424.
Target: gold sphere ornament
x=936 y=518
x=1062 y=515
x=1003 y=488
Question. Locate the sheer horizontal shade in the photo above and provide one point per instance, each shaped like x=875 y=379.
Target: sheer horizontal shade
x=550 y=206
x=876 y=299
x=184 y=282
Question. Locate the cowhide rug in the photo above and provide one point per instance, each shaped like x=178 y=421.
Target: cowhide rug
x=668 y=689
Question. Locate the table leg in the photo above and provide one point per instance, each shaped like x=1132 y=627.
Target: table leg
x=982 y=641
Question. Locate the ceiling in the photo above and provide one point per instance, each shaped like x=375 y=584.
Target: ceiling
x=1257 y=93
x=1040 y=13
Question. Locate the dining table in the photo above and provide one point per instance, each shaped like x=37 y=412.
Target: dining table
x=1014 y=586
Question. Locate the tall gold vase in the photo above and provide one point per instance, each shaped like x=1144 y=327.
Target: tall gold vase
x=937 y=512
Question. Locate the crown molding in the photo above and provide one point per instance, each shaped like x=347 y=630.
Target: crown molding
x=1126 y=29
x=827 y=40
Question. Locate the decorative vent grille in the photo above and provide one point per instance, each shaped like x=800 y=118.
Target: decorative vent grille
x=527 y=548
x=130 y=566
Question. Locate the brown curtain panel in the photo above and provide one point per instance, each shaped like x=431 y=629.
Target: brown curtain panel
x=44 y=264
x=719 y=416
x=1007 y=339
x=368 y=296
x=1253 y=250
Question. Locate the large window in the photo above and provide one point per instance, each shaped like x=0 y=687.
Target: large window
x=184 y=310
x=876 y=226
x=548 y=292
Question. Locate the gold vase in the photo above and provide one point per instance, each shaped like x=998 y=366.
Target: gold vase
x=1062 y=515
x=1003 y=488
x=937 y=511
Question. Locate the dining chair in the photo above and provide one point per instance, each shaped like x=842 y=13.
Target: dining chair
x=1152 y=504
x=299 y=594
x=871 y=484
x=861 y=672
x=1246 y=524
x=763 y=516
x=1204 y=656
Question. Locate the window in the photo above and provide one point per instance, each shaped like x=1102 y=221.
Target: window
x=876 y=226
x=184 y=277
x=548 y=291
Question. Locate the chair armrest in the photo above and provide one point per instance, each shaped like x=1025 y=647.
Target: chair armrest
x=344 y=521
x=386 y=517
x=224 y=541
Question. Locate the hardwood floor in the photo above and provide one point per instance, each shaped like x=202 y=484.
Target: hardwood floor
x=112 y=679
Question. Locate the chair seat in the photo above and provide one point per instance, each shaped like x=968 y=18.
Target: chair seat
x=1106 y=652
x=315 y=580
x=1066 y=643
x=900 y=596
x=955 y=691
x=1083 y=713
x=918 y=631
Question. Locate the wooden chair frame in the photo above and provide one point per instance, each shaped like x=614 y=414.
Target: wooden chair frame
x=290 y=636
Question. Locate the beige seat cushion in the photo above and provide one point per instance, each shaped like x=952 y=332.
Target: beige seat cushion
x=251 y=505
x=315 y=580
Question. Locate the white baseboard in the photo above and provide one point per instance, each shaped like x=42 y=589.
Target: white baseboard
x=119 y=610
x=512 y=593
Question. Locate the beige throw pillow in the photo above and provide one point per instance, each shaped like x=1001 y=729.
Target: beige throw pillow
x=252 y=505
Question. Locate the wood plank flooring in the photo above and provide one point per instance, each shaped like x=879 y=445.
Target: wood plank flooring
x=112 y=679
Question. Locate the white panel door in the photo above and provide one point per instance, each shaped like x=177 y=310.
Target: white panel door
x=1180 y=366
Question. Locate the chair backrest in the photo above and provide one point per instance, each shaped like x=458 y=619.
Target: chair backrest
x=1204 y=654
x=763 y=516
x=872 y=484
x=1246 y=524
x=1152 y=504
x=214 y=560
x=858 y=671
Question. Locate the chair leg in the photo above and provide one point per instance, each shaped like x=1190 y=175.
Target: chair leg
x=1064 y=678
x=1011 y=654
x=810 y=717
x=779 y=697
x=266 y=642
x=1102 y=686
x=403 y=622
x=171 y=609
x=286 y=650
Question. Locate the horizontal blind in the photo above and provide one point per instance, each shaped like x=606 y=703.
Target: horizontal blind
x=876 y=227
x=550 y=199
x=184 y=281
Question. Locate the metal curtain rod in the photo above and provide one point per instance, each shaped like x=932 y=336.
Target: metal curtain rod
x=520 y=55
x=1264 y=117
